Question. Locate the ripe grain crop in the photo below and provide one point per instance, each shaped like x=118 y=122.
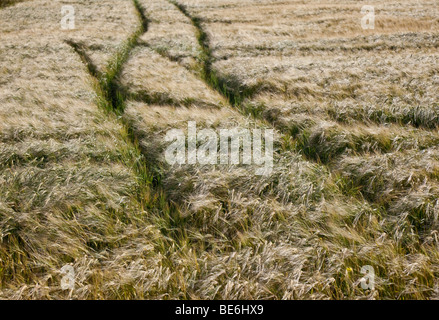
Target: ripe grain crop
x=84 y=180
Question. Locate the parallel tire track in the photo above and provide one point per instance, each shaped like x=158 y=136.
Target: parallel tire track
x=237 y=95
x=112 y=97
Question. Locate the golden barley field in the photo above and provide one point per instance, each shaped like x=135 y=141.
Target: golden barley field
x=84 y=181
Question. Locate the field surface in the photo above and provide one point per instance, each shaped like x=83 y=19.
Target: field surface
x=84 y=181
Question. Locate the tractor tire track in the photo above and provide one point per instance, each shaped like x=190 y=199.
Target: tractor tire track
x=112 y=98
x=236 y=96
